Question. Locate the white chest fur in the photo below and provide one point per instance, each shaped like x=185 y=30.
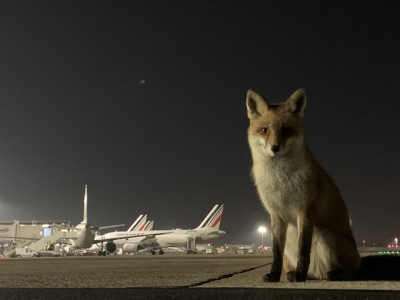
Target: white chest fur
x=281 y=184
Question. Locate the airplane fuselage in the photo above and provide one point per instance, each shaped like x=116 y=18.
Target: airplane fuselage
x=168 y=239
x=84 y=237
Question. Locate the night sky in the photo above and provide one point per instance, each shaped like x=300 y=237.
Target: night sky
x=73 y=110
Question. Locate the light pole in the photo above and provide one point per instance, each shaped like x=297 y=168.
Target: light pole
x=262 y=229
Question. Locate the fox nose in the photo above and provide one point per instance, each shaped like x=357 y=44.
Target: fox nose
x=275 y=148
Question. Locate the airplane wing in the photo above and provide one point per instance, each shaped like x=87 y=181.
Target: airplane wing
x=149 y=236
x=216 y=232
x=106 y=227
x=151 y=239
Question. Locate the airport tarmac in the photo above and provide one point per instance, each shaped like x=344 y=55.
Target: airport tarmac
x=198 y=276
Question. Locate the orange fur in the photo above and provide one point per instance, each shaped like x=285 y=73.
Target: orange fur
x=309 y=218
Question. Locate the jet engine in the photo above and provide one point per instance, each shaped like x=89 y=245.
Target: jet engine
x=132 y=247
x=111 y=247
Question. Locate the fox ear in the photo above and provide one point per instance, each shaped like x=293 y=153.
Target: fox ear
x=256 y=104
x=297 y=102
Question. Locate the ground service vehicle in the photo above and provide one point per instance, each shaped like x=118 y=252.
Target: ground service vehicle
x=25 y=252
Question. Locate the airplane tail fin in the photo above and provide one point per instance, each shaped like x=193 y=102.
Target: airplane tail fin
x=85 y=206
x=139 y=224
x=213 y=219
x=149 y=226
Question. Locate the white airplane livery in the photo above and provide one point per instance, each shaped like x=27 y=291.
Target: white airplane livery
x=149 y=226
x=85 y=233
x=139 y=224
x=105 y=243
x=159 y=239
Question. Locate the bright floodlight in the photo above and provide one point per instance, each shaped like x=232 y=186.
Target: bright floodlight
x=262 y=229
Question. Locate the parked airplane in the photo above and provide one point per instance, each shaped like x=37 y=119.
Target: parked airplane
x=136 y=229
x=158 y=239
x=85 y=233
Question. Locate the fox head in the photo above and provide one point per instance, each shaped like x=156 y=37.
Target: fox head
x=276 y=129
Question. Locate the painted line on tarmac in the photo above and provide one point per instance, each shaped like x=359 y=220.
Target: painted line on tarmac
x=225 y=276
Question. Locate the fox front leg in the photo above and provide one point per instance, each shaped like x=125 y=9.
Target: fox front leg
x=305 y=232
x=279 y=229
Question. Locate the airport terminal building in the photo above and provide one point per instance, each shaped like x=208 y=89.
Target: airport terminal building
x=35 y=234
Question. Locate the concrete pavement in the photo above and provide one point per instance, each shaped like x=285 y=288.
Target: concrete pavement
x=169 y=277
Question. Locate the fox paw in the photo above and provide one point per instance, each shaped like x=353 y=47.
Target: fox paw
x=271 y=277
x=293 y=276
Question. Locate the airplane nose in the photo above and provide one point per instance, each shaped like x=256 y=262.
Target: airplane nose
x=275 y=148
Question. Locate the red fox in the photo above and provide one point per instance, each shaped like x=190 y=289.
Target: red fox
x=312 y=237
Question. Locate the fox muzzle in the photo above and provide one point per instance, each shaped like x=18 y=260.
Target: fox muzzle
x=275 y=148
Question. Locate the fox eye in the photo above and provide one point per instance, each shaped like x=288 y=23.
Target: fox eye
x=287 y=130
x=264 y=130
